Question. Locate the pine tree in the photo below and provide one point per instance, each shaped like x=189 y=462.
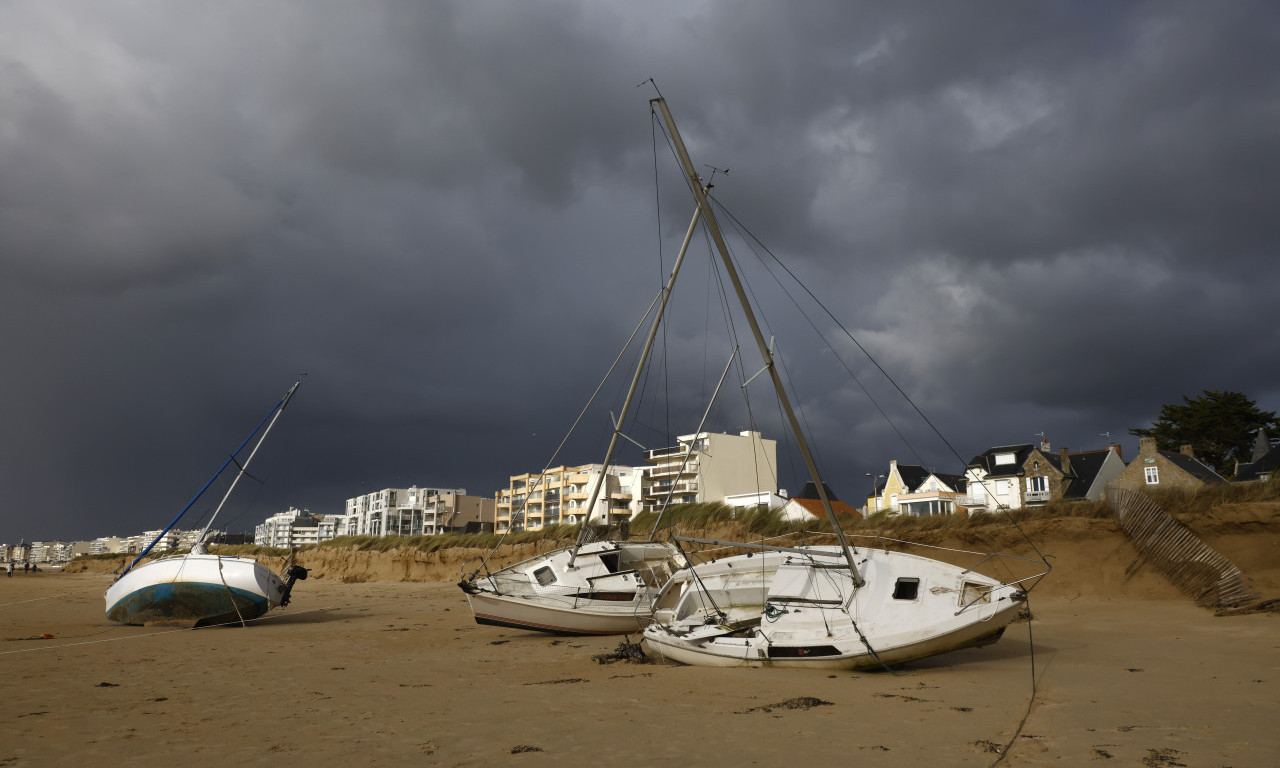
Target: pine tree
x=1219 y=426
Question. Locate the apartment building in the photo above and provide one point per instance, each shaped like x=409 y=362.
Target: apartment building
x=708 y=466
x=413 y=512
x=559 y=495
x=295 y=528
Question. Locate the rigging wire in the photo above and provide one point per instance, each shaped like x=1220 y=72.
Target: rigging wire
x=517 y=515
x=751 y=238
x=907 y=398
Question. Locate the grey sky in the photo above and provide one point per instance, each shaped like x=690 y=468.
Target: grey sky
x=1039 y=217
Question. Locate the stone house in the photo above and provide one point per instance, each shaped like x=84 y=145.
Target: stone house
x=1027 y=475
x=1154 y=468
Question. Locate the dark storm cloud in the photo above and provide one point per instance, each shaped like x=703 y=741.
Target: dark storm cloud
x=1039 y=218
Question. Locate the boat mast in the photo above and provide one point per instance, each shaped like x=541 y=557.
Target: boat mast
x=216 y=475
x=199 y=543
x=635 y=383
x=700 y=194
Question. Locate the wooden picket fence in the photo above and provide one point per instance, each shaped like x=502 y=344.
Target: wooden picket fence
x=1195 y=568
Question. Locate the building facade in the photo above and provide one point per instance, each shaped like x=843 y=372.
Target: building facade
x=412 y=512
x=560 y=495
x=1154 y=469
x=709 y=466
x=295 y=528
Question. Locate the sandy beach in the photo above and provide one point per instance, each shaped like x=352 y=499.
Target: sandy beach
x=397 y=673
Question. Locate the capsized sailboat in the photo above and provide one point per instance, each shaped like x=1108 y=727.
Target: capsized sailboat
x=820 y=607
x=606 y=589
x=800 y=607
x=200 y=589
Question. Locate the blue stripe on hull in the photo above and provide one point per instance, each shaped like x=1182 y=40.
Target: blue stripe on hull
x=187 y=603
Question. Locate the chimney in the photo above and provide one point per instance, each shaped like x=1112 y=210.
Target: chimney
x=1146 y=446
x=1044 y=445
x=1066 y=460
x=1115 y=447
x=1187 y=450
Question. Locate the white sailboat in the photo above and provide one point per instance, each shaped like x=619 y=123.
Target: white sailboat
x=600 y=588
x=199 y=588
x=799 y=607
x=820 y=607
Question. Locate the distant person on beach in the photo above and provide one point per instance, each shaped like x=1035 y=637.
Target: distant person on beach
x=9 y=573
x=26 y=566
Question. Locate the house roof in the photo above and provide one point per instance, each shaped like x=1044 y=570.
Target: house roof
x=913 y=475
x=1085 y=465
x=956 y=482
x=814 y=507
x=1193 y=467
x=987 y=460
x=810 y=491
x=1270 y=462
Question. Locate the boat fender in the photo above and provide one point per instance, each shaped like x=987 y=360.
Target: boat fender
x=295 y=573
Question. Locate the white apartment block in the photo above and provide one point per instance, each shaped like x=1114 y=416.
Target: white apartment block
x=413 y=512
x=295 y=528
x=708 y=466
x=560 y=495
x=109 y=545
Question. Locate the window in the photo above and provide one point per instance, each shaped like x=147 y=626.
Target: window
x=544 y=575
x=1004 y=458
x=1152 y=475
x=906 y=589
x=1037 y=484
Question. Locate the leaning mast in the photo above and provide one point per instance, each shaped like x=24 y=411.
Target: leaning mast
x=700 y=194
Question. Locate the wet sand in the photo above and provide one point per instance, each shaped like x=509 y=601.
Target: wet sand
x=394 y=673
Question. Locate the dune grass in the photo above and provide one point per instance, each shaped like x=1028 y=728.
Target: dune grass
x=695 y=519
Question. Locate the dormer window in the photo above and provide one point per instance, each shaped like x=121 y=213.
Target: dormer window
x=1004 y=458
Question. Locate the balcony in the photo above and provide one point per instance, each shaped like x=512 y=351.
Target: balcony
x=1036 y=497
x=660 y=490
x=662 y=453
x=663 y=470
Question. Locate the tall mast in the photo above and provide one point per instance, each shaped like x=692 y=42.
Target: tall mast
x=245 y=466
x=700 y=194
x=275 y=412
x=635 y=383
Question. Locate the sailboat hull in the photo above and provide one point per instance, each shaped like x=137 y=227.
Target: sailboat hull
x=194 y=590
x=849 y=654
x=581 y=617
